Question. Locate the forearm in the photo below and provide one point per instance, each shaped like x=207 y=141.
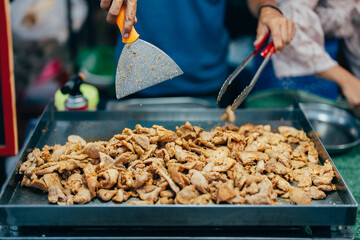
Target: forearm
x=337 y=74
x=254 y=5
x=350 y=85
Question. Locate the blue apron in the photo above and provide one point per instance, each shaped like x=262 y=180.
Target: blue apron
x=193 y=34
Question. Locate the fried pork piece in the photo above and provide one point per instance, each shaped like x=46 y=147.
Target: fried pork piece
x=292 y=132
x=91 y=179
x=276 y=167
x=249 y=158
x=58 y=151
x=106 y=195
x=83 y=196
x=93 y=150
x=121 y=196
x=34 y=182
x=299 y=196
x=74 y=183
x=178 y=177
x=316 y=193
x=165 y=135
x=33 y=160
x=199 y=181
x=225 y=191
x=265 y=193
x=229 y=115
x=186 y=131
x=108 y=178
x=187 y=195
x=55 y=188
x=75 y=139
x=236 y=165
x=149 y=193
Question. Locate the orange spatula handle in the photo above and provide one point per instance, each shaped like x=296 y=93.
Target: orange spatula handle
x=133 y=36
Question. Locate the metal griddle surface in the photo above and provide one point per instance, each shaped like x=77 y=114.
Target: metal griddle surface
x=23 y=206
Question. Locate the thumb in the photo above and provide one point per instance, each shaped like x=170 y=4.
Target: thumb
x=261 y=31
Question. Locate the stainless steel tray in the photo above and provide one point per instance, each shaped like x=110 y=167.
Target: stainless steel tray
x=29 y=207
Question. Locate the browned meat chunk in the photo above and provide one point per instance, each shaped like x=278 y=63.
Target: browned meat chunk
x=149 y=152
x=143 y=141
x=250 y=157
x=57 y=153
x=273 y=166
x=56 y=195
x=93 y=150
x=53 y=180
x=186 y=131
x=34 y=182
x=126 y=157
x=83 y=196
x=149 y=193
x=46 y=168
x=199 y=181
x=33 y=160
x=203 y=199
x=167 y=194
x=225 y=191
x=229 y=115
x=178 y=177
x=76 y=139
x=299 y=196
x=141 y=177
x=184 y=155
x=163 y=173
x=165 y=200
x=108 y=178
x=91 y=179
x=121 y=196
x=315 y=193
x=106 y=195
x=74 y=183
x=187 y=195
x=265 y=195
x=165 y=135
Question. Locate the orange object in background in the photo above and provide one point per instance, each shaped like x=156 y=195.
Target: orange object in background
x=8 y=127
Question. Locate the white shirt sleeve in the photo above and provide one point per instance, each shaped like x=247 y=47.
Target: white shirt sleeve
x=305 y=55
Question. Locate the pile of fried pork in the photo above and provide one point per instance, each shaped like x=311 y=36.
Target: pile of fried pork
x=236 y=165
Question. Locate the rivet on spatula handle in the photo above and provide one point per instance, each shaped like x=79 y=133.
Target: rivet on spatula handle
x=133 y=36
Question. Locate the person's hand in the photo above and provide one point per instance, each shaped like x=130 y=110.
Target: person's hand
x=113 y=7
x=349 y=84
x=351 y=90
x=282 y=29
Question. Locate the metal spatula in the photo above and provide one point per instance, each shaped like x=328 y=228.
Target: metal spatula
x=141 y=64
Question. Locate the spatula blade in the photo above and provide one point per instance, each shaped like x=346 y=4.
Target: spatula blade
x=142 y=65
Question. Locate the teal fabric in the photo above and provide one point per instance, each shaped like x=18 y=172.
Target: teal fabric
x=349 y=166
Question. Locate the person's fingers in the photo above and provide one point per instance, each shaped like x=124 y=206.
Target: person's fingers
x=287 y=31
x=105 y=4
x=130 y=15
x=275 y=29
x=260 y=33
x=293 y=30
x=114 y=10
x=285 y=34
